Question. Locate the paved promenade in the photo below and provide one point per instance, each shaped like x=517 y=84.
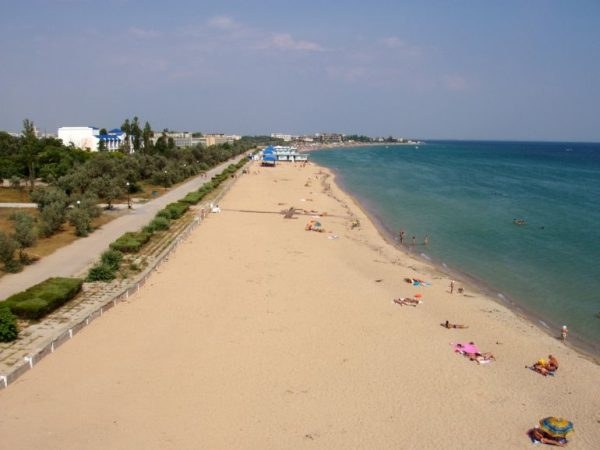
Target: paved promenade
x=78 y=256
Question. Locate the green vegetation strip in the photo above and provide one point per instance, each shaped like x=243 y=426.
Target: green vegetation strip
x=133 y=241
x=43 y=298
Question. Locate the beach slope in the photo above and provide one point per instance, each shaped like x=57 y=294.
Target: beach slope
x=259 y=334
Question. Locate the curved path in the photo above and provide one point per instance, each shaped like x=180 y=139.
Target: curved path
x=76 y=257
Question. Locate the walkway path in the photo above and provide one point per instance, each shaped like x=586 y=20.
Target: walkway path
x=77 y=257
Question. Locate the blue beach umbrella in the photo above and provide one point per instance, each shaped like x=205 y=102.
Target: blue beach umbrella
x=556 y=426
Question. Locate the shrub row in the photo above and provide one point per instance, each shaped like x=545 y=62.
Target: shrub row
x=173 y=210
x=8 y=324
x=132 y=242
x=43 y=298
x=106 y=269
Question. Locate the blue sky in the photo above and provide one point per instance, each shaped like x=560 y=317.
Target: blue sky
x=428 y=69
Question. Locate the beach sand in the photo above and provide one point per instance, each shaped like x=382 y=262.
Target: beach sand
x=259 y=334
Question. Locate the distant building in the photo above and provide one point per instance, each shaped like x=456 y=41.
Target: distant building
x=184 y=139
x=89 y=138
x=80 y=137
x=284 y=137
x=220 y=138
x=330 y=138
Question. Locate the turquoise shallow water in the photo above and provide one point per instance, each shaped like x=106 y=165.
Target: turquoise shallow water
x=465 y=195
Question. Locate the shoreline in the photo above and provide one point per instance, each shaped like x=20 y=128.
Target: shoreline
x=587 y=350
x=256 y=333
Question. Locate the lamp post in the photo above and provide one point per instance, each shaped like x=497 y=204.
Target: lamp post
x=128 y=195
x=78 y=203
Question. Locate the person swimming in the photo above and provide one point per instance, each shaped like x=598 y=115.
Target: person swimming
x=519 y=222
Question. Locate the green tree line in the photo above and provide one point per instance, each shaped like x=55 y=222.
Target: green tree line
x=75 y=181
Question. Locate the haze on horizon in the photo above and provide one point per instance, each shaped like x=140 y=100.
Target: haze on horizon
x=431 y=69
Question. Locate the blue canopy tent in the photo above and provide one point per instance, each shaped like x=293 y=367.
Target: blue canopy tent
x=268 y=157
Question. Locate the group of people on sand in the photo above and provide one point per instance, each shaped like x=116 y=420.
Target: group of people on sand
x=546 y=367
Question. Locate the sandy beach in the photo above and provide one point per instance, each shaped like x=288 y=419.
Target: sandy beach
x=259 y=334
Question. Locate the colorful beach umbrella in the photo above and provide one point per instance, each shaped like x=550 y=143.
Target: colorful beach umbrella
x=556 y=426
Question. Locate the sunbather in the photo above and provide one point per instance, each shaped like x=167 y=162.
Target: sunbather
x=481 y=358
x=452 y=325
x=540 y=435
x=546 y=367
x=407 y=301
x=552 y=365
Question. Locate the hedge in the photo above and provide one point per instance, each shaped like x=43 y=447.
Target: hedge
x=175 y=210
x=193 y=197
x=43 y=298
x=159 y=224
x=8 y=324
x=101 y=272
x=131 y=242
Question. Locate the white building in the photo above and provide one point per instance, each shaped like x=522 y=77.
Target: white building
x=80 y=137
x=88 y=138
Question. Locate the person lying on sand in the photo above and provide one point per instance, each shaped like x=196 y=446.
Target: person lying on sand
x=407 y=301
x=546 y=367
x=452 y=325
x=481 y=358
x=540 y=435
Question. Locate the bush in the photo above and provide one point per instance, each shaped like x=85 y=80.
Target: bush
x=160 y=224
x=25 y=232
x=178 y=209
x=43 y=298
x=81 y=220
x=8 y=246
x=193 y=197
x=131 y=242
x=173 y=210
x=8 y=324
x=112 y=258
x=101 y=272
x=52 y=218
x=164 y=213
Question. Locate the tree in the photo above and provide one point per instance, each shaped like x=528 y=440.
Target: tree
x=8 y=246
x=136 y=133
x=81 y=220
x=147 y=136
x=25 y=233
x=29 y=150
x=126 y=128
x=52 y=203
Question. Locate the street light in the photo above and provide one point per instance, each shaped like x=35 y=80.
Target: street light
x=78 y=203
x=128 y=195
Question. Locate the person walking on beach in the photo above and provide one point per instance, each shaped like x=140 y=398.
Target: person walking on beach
x=414 y=240
x=563 y=333
x=401 y=236
x=452 y=286
x=426 y=240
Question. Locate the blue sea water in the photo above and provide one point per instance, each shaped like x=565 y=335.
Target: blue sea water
x=464 y=196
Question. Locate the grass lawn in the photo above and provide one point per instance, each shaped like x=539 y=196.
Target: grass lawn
x=46 y=246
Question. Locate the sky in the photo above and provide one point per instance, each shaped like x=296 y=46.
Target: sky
x=510 y=70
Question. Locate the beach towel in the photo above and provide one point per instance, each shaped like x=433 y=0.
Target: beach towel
x=465 y=347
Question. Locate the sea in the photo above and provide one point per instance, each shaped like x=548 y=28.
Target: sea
x=465 y=197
